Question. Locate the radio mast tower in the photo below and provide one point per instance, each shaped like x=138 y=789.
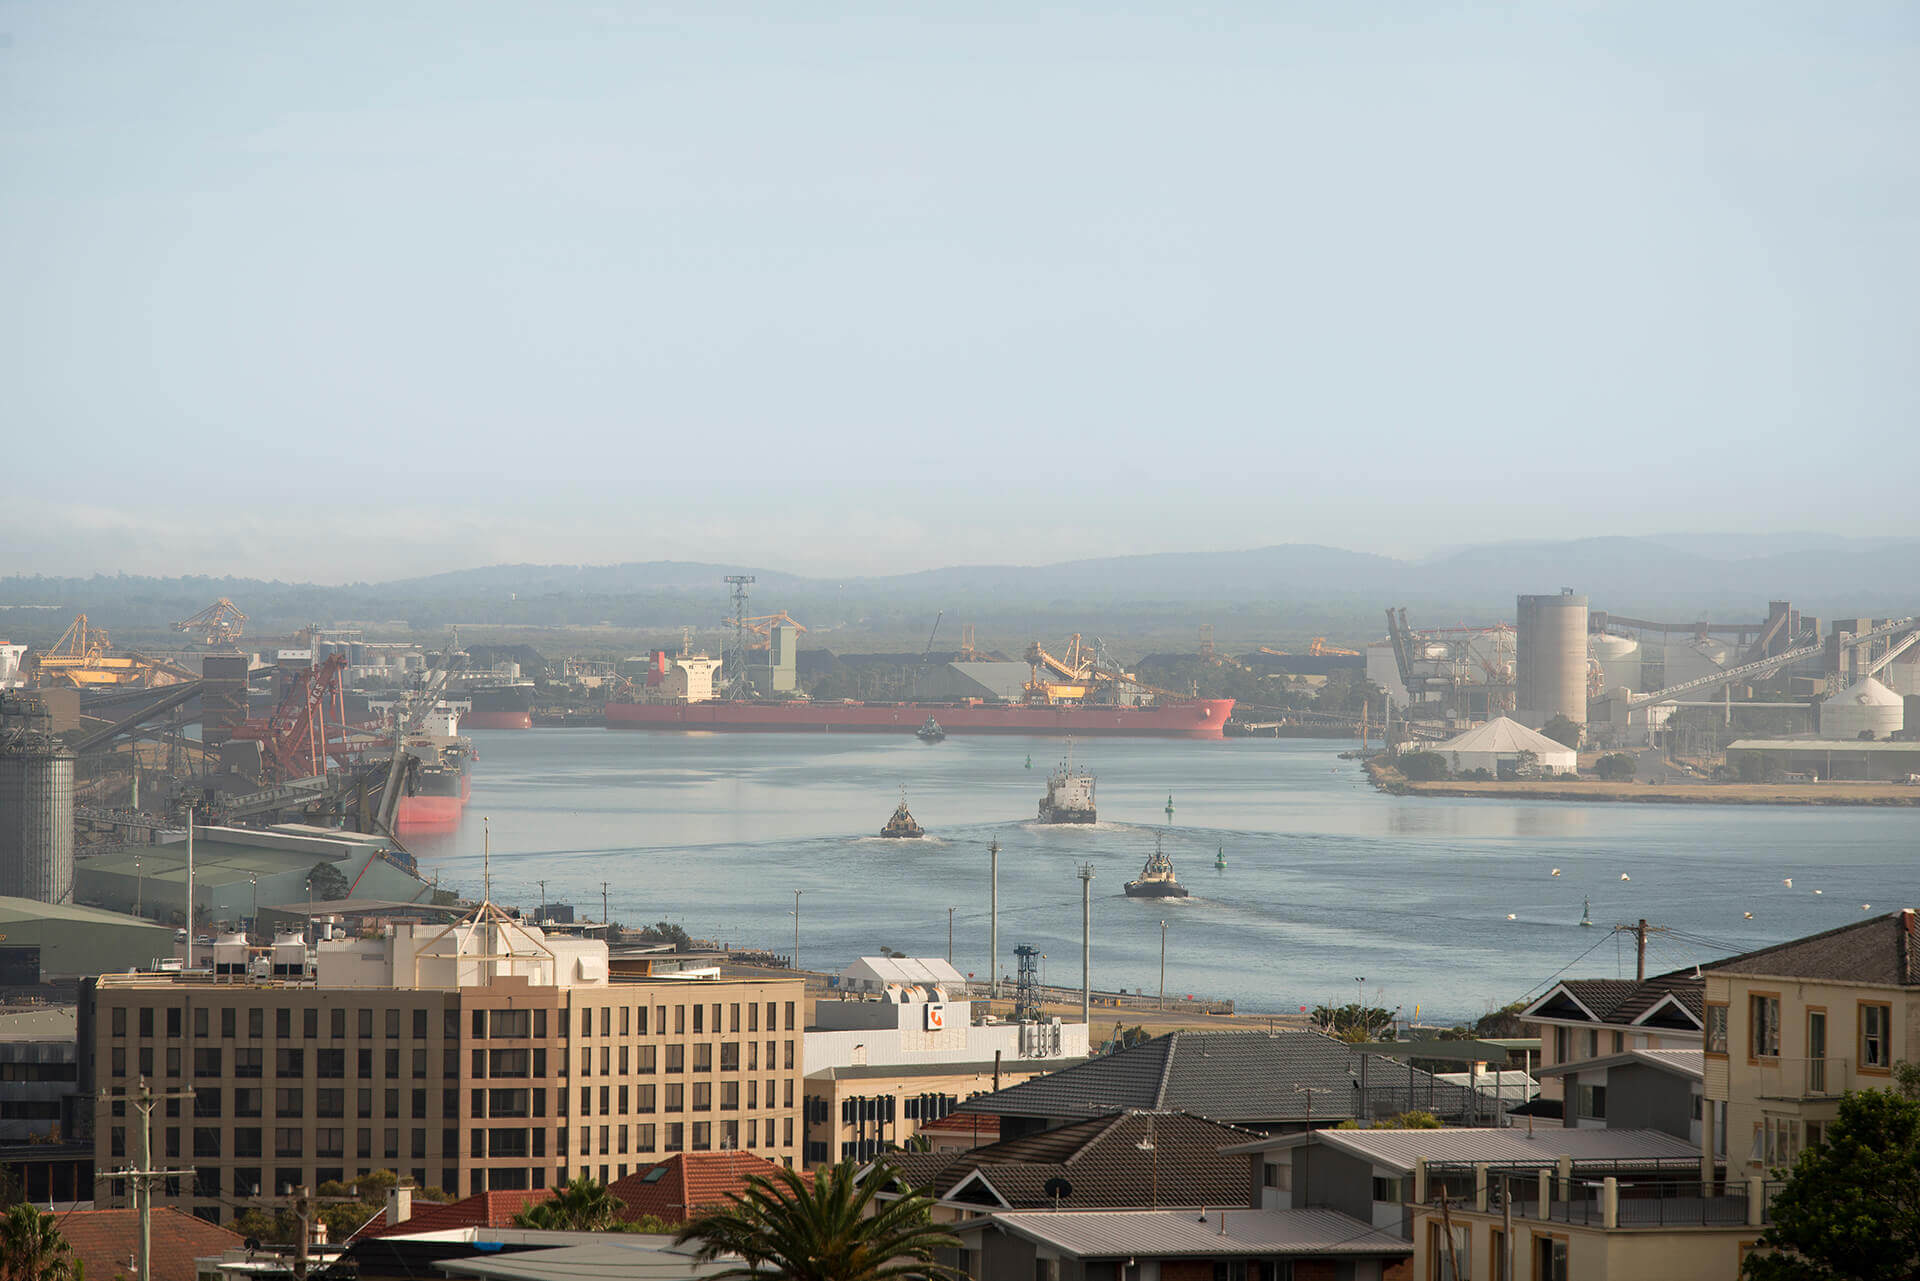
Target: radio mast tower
x=734 y=662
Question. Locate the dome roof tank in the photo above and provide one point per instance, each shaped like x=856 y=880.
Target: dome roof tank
x=1864 y=709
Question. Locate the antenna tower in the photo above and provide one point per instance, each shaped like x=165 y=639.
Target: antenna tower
x=734 y=664
x=1026 y=992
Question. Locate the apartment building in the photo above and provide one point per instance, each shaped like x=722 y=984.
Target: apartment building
x=475 y=1057
x=1789 y=1029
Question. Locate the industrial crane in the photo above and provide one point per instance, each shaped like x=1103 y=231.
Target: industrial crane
x=80 y=659
x=763 y=625
x=220 y=622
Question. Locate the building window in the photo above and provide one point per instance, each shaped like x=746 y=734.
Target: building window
x=291 y=1063
x=1765 y=1014
x=1876 y=1023
x=1592 y=1102
x=1716 y=1034
x=206 y=1062
x=702 y=1055
x=286 y=1141
x=310 y=1024
x=289 y=1102
x=337 y=1024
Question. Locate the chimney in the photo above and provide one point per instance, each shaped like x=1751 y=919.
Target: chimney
x=400 y=1202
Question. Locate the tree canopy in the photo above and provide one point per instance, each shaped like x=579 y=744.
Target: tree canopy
x=834 y=1229
x=33 y=1249
x=582 y=1205
x=1563 y=730
x=1850 y=1210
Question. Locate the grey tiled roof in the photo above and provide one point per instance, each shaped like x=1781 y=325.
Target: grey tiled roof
x=1125 y=1159
x=1882 y=950
x=1245 y=1078
x=1619 y=1002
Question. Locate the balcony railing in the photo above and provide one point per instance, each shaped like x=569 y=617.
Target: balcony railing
x=1648 y=1204
x=1804 y=1078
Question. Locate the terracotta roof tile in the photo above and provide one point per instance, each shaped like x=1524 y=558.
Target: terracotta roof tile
x=683 y=1185
x=106 y=1240
x=481 y=1210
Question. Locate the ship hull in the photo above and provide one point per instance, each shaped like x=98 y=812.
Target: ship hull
x=1050 y=815
x=1155 y=889
x=1202 y=718
x=497 y=706
x=427 y=813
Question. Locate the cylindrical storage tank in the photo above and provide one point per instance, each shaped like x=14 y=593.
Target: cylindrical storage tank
x=36 y=822
x=1619 y=659
x=1550 y=660
x=1694 y=657
x=1864 y=709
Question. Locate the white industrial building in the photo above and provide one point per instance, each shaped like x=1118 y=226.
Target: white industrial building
x=1504 y=742
x=1865 y=709
x=913 y=1012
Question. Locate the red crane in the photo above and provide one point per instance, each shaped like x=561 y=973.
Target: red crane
x=296 y=740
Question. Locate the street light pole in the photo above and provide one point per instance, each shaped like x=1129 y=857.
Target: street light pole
x=993 y=928
x=949 y=936
x=1360 y=1001
x=796 y=929
x=1163 y=965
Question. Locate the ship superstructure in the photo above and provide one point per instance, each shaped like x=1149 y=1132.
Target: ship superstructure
x=1156 y=878
x=1069 y=797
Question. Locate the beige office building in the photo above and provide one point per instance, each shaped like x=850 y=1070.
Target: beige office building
x=475 y=1057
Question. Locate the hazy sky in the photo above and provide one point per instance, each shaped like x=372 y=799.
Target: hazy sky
x=355 y=290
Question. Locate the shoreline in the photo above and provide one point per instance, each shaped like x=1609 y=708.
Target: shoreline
x=1860 y=795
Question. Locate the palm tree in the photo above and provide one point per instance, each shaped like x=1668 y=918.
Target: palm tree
x=32 y=1249
x=579 y=1206
x=832 y=1230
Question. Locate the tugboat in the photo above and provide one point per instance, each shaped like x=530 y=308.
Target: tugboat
x=930 y=732
x=1156 y=878
x=902 y=824
x=1069 y=797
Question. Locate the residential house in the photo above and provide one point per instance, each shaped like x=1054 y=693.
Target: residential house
x=1581 y=1019
x=1175 y=1245
x=689 y=1184
x=1605 y=1203
x=1120 y=1161
x=1789 y=1029
x=1266 y=1081
x=1635 y=1090
x=107 y=1242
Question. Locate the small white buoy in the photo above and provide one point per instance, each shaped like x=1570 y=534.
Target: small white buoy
x=1788 y=882
x=1512 y=917
x=1749 y=916
x=1625 y=877
x=1556 y=871
x=1866 y=907
x=1819 y=891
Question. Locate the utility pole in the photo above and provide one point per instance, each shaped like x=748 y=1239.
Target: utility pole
x=604 y=918
x=190 y=894
x=993 y=929
x=543 y=900
x=949 y=936
x=1640 y=929
x=796 y=929
x=1086 y=945
x=141 y=1099
x=1163 y=964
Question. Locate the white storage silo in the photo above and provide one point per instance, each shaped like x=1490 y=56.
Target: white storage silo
x=1619 y=659
x=1864 y=708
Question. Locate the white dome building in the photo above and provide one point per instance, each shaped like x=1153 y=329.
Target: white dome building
x=1865 y=707
x=1504 y=740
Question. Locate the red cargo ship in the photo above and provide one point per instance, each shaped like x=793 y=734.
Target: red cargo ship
x=1200 y=718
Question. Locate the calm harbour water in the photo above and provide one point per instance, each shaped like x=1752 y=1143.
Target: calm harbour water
x=1326 y=880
